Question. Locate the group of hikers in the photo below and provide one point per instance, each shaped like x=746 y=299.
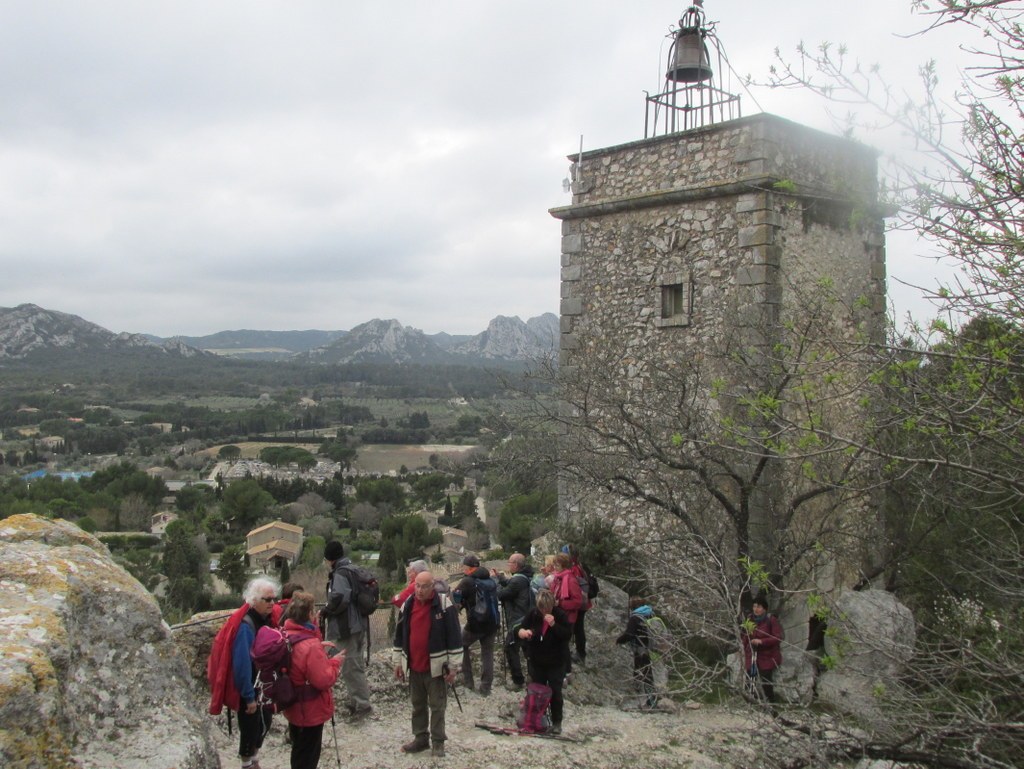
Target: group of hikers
x=544 y=614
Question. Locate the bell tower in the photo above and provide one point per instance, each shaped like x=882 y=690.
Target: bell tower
x=696 y=250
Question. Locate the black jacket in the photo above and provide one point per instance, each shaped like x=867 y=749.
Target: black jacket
x=552 y=648
x=466 y=599
x=515 y=595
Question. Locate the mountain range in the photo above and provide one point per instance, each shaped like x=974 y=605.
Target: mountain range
x=29 y=332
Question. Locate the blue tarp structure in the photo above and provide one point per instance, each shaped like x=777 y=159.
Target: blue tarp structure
x=63 y=475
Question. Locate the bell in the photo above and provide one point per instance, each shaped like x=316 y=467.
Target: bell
x=691 y=60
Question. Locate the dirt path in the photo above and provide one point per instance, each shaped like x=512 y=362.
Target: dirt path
x=608 y=738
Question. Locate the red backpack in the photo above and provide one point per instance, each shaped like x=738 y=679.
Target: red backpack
x=272 y=655
x=533 y=710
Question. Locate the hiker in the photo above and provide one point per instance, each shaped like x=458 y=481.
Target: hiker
x=567 y=594
x=579 y=632
x=516 y=599
x=253 y=719
x=429 y=638
x=762 y=646
x=542 y=579
x=638 y=636
x=288 y=589
x=347 y=627
x=415 y=567
x=313 y=669
x=482 y=629
x=545 y=635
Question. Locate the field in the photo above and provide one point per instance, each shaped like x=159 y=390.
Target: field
x=373 y=458
x=252 y=449
x=380 y=458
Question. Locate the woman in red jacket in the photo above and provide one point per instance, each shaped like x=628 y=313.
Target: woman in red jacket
x=567 y=594
x=313 y=672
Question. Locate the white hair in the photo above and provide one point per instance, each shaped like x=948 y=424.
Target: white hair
x=419 y=566
x=256 y=586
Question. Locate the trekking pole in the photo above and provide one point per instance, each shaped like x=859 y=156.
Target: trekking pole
x=334 y=731
x=368 y=623
x=456 y=693
x=503 y=636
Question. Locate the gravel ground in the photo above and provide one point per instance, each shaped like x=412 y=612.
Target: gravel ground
x=604 y=736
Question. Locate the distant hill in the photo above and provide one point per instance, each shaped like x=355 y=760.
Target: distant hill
x=505 y=340
x=29 y=332
x=261 y=345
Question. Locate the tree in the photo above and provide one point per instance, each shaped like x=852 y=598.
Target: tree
x=136 y=514
x=245 y=503
x=366 y=516
x=339 y=451
x=953 y=405
x=381 y=491
x=525 y=517
x=232 y=569
x=229 y=452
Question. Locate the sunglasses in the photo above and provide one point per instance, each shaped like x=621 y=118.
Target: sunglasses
x=268 y=599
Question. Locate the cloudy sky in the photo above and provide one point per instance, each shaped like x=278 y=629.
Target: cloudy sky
x=192 y=166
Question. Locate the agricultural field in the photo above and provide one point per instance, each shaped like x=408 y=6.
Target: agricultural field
x=382 y=458
x=252 y=449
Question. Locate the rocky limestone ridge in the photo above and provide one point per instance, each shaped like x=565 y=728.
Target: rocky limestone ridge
x=388 y=341
x=512 y=339
x=90 y=676
x=28 y=329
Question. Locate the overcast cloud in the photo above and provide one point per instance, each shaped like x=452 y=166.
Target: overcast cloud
x=188 y=167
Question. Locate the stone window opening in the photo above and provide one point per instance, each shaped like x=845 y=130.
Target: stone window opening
x=676 y=299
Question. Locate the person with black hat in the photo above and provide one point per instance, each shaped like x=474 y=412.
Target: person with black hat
x=481 y=626
x=347 y=627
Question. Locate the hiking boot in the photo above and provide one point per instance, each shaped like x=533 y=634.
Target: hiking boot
x=361 y=712
x=416 y=746
x=555 y=729
x=484 y=691
x=437 y=751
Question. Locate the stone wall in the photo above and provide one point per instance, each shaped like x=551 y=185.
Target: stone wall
x=754 y=219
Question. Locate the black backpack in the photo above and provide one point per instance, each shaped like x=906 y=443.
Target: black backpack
x=484 y=610
x=365 y=589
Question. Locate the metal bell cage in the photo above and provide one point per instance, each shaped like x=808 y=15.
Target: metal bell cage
x=690 y=98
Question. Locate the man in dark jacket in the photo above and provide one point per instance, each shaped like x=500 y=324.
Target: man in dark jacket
x=476 y=630
x=428 y=636
x=348 y=628
x=515 y=596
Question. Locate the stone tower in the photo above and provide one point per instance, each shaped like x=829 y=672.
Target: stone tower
x=720 y=285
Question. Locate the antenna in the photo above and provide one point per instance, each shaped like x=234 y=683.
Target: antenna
x=572 y=182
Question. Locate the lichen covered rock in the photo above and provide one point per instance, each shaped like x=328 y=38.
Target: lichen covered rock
x=89 y=674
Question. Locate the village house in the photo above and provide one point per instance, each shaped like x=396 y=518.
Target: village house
x=274 y=544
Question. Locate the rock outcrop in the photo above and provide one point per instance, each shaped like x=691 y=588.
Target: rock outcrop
x=872 y=640
x=89 y=673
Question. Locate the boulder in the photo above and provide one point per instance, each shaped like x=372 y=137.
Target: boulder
x=194 y=639
x=607 y=677
x=871 y=639
x=89 y=674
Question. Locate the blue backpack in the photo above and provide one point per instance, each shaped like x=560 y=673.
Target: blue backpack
x=485 y=607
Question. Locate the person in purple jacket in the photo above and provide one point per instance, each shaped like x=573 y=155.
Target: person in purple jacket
x=762 y=646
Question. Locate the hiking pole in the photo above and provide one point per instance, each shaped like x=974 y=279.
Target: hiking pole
x=456 y=693
x=334 y=731
x=503 y=635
